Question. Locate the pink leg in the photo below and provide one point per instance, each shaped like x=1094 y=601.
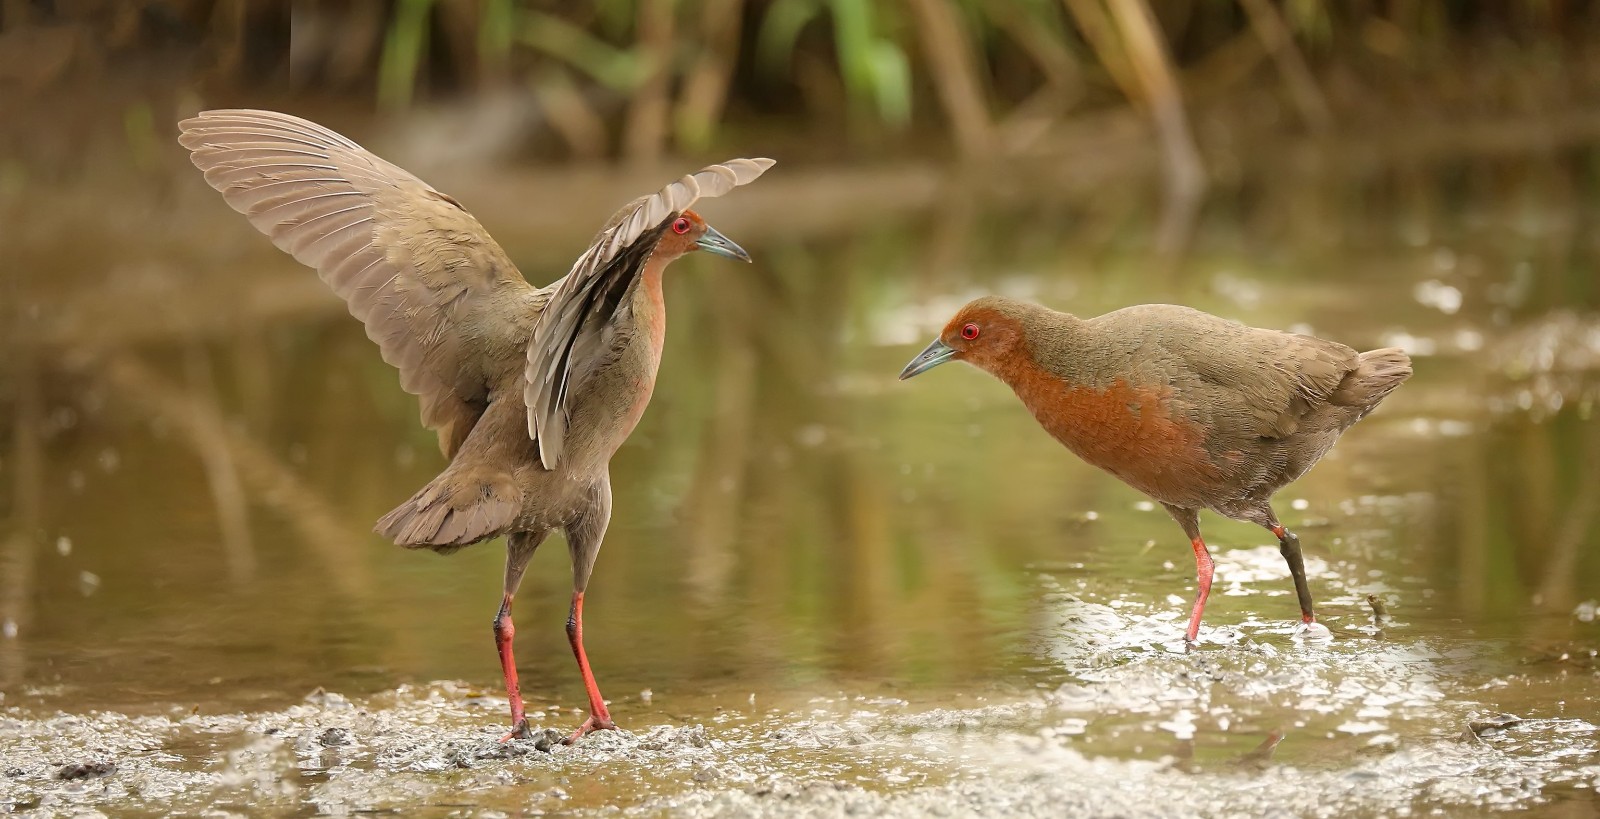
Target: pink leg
x=599 y=717
x=1204 y=568
x=504 y=633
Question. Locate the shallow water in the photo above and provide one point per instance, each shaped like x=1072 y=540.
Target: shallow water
x=823 y=591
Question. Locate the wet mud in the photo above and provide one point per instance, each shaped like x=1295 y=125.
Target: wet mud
x=1258 y=720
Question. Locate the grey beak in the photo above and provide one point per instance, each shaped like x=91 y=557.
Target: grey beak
x=715 y=242
x=932 y=356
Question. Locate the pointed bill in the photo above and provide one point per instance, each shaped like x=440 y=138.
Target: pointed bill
x=931 y=356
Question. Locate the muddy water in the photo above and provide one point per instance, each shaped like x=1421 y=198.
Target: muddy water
x=823 y=592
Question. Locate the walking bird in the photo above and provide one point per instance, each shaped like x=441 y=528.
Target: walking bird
x=1196 y=411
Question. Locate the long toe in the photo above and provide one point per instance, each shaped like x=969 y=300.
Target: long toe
x=518 y=731
x=588 y=727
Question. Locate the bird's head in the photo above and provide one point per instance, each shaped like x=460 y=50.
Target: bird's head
x=988 y=332
x=687 y=232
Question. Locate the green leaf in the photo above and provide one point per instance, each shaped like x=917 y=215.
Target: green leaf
x=613 y=67
x=780 y=30
x=891 y=82
x=403 y=46
x=852 y=34
x=495 y=30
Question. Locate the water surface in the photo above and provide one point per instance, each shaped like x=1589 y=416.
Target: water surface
x=822 y=590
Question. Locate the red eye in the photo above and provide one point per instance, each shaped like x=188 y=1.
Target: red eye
x=969 y=331
x=680 y=225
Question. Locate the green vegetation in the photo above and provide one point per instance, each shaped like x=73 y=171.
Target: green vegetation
x=635 y=78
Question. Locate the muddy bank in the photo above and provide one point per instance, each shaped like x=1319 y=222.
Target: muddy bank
x=426 y=752
x=1259 y=721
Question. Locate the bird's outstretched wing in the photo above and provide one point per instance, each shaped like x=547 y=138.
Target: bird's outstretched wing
x=568 y=333
x=435 y=292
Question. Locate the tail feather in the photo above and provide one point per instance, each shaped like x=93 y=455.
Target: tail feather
x=453 y=511
x=1377 y=373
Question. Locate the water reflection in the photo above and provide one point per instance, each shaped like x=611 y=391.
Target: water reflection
x=214 y=449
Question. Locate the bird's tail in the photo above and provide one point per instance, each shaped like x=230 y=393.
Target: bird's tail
x=1375 y=376
x=459 y=508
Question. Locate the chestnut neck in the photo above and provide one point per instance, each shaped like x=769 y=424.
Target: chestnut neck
x=1050 y=347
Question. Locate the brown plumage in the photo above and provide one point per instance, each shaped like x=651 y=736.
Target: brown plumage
x=531 y=390
x=1196 y=411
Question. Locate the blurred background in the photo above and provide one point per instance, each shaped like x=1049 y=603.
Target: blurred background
x=195 y=437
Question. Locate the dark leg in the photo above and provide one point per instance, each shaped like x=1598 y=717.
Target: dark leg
x=1204 y=567
x=519 y=549
x=1289 y=547
x=583 y=539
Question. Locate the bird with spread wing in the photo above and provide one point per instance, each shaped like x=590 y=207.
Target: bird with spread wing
x=531 y=390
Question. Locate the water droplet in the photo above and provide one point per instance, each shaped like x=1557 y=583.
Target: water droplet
x=1438 y=295
x=9 y=629
x=811 y=436
x=1415 y=345
x=63 y=545
x=64 y=418
x=1361 y=727
x=1444 y=258
x=1300 y=504
x=88 y=583
x=1181 y=725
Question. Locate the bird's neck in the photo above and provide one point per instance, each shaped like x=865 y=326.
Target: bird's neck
x=650 y=302
x=1054 y=352
x=1056 y=370
x=641 y=360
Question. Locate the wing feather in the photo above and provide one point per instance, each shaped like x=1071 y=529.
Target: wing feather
x=568 y=334
x=440 y=298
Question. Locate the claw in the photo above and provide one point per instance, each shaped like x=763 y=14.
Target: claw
x=518 y=731
x=588 y=727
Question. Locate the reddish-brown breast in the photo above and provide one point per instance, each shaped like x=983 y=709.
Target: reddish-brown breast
x=650 y=321
x=1126 y=429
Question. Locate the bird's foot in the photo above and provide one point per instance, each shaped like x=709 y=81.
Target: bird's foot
x=518 y=731
x=1314 y=632
x=589 y=726
x=1191 y=641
